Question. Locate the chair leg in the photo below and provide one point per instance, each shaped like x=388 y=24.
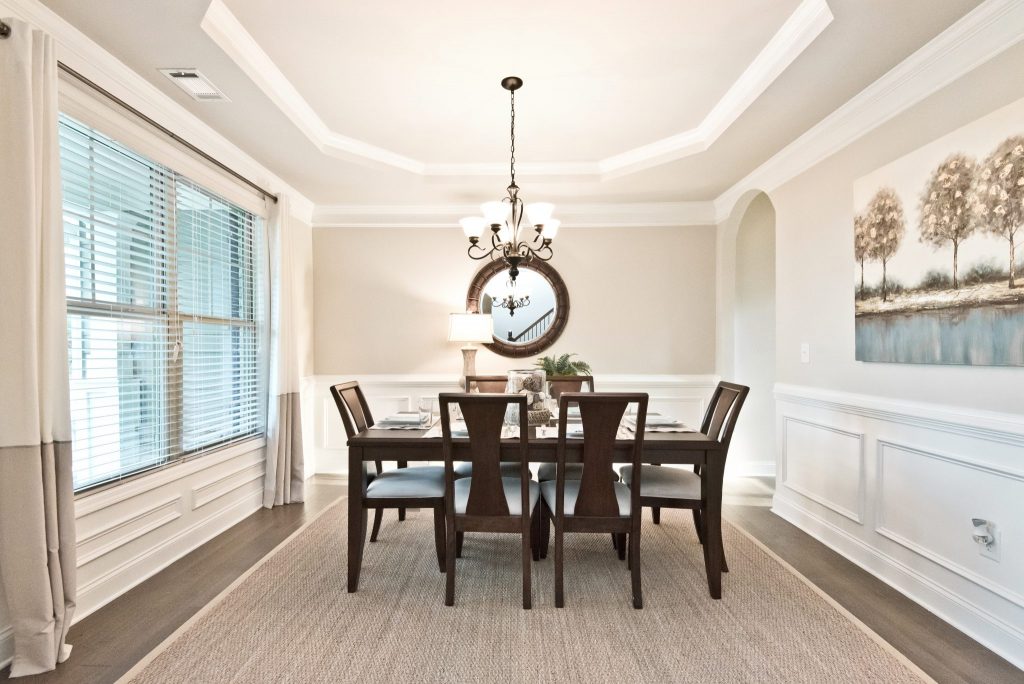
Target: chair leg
x=439 y=536
x=725 y=566
x=559 y=589
x=458 y=543
x=545 y=530
x=535 y=533
x=634 y=565
x=362 y=529
x=528 y=553
x=656 y=515
x=401 y=514
x=449 y=562
x=378 y=515
x=698 y=524
x=620 y=544
x=615 y=542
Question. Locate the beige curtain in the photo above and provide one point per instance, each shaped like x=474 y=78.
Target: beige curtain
x=37 y=522
x=285 y=475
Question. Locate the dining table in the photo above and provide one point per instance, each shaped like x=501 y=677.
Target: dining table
x=659 y=448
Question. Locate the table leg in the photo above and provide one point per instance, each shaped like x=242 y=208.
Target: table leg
x=713 y=476
x=356 y=517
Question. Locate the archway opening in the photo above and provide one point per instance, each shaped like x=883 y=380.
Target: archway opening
x=753 y=447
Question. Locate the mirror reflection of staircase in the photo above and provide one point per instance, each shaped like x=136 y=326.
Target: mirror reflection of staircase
x=534 y=329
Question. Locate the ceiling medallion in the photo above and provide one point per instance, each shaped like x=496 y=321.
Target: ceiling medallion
x=504 y=217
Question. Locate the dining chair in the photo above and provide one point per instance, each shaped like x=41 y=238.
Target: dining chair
x=678 y=488
x=487 y=501
x=402 y=487
x=595 y=502
x=488 y=384
x=559 y=384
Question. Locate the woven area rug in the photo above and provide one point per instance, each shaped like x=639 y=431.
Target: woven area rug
x=290 y=619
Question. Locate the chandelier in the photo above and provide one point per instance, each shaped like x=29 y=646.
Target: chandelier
x=510 y=301
x=504 y=217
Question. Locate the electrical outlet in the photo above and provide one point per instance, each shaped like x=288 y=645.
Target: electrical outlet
x=992 y=550
x=805 y=352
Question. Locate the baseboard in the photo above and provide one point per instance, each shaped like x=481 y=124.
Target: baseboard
x=987 y=629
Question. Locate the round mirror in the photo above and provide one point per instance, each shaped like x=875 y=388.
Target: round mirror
x=529 y=314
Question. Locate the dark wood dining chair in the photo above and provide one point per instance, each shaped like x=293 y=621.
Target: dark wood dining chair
x=487 y=501
x=487 y=384
x=595 y=502
x=558 y=385
x=405 y=487
x=679 y=488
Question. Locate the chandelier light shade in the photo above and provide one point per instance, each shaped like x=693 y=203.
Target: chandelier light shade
x=505 y=218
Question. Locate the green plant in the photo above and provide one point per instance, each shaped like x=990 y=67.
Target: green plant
x=563 y=365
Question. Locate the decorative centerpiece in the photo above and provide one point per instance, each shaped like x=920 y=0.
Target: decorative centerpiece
x=563 y=366
x=533 y=383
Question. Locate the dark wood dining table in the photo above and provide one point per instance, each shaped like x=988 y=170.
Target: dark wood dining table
x=410 y=446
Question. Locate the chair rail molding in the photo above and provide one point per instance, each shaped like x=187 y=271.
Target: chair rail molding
x=933 y=469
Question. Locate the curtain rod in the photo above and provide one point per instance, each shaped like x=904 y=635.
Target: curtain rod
x=163 y=129
x=5 y=31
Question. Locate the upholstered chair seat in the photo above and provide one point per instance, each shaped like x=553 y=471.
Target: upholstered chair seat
x=549 y=491
x=573 y=471
x=465 y=469
x=417 y=483
x=665 y=482
x=513 y=496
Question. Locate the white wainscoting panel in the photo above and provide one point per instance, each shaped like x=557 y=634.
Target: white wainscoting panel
x=130 y=531
x=682 y=396
x=824 y=464
x=893 y=486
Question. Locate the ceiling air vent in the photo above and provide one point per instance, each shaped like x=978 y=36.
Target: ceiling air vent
x=195 y=84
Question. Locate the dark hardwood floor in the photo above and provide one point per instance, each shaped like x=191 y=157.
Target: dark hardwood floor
x=111 y=640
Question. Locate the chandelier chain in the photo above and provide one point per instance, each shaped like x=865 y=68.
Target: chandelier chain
x=513 y=162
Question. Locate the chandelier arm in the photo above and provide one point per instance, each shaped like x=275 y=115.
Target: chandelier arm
x=544 y=253
x=484 y=253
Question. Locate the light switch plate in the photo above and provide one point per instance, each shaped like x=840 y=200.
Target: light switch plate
x=805 y=352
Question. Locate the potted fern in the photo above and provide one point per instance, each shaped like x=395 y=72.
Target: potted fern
x=562 y=367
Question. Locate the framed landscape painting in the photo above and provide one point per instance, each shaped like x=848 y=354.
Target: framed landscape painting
x=939 y=249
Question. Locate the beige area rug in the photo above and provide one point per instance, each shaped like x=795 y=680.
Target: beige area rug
x=291 y=620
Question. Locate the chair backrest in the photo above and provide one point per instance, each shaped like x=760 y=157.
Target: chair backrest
x=723 y=410
x=486 y=384
x=569 y=383
x=355 y=412
x=485 y=417
x=601 y=413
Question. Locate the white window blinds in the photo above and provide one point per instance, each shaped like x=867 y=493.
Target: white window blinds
x=164 y=311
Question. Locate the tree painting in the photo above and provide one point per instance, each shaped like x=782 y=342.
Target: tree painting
x=886 y=226
x=999 y=195
x=861 y=246
x=945 y=208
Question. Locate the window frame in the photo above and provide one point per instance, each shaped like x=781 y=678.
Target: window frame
x=170 y=317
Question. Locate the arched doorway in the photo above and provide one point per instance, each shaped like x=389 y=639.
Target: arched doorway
x=747 y=349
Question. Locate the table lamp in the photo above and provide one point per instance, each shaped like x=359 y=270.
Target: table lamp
x=469 y=328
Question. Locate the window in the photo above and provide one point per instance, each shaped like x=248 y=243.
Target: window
x=164 y=300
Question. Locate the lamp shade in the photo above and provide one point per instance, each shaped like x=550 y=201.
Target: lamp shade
x=470 y=327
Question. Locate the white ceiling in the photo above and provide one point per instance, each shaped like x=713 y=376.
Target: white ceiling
x=335 y=96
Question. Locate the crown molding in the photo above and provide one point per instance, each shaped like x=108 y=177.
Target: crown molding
x=986 y=31
x=801 y=28
x=638 y=215
x=806 y=23
x=87 y=57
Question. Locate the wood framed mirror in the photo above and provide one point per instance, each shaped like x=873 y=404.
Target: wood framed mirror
x=529 y=315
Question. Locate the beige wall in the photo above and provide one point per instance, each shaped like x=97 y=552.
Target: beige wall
x=814 y=218
x=642 y=300
x=302 y=236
